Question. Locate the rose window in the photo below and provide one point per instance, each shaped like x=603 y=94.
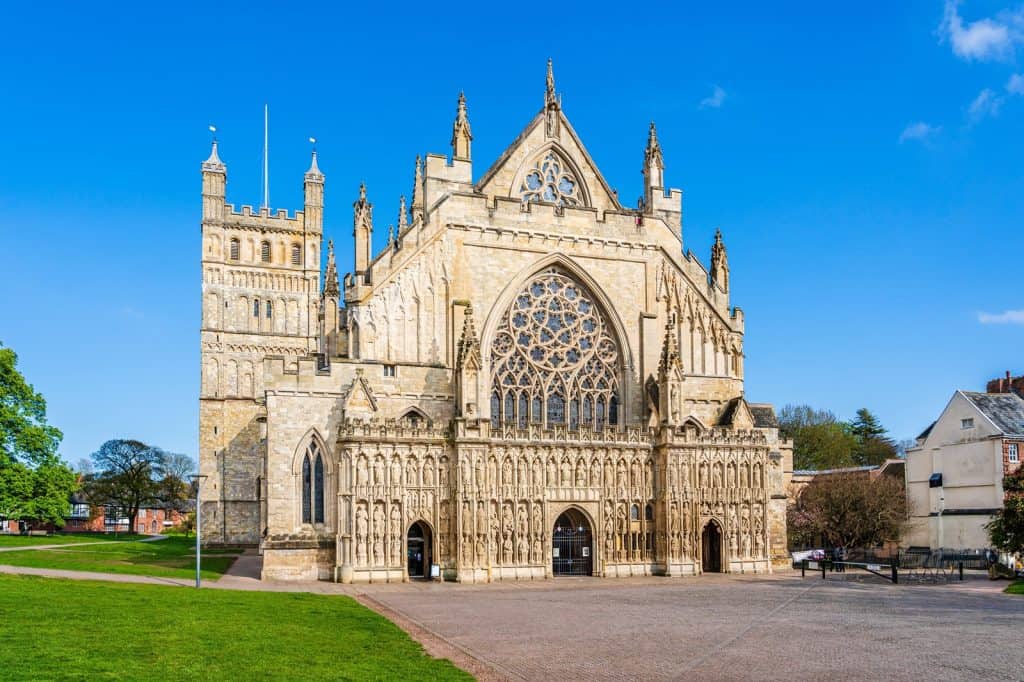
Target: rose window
x=553 y=359
x=551 y=181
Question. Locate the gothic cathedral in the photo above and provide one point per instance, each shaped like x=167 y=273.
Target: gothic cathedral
x=530 y=380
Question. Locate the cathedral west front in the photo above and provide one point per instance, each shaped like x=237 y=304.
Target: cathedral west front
x=529 y=380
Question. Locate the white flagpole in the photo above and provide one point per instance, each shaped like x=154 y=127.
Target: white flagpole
x=266 y=157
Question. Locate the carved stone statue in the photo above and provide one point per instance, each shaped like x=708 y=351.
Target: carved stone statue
x=396 y=471
x=362 y=528
x=410 y=472
x=361 y=472
x=428 y=472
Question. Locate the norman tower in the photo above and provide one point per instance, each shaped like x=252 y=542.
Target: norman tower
x=261 y=287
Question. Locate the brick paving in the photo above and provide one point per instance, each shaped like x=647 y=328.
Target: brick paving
x=724 y=628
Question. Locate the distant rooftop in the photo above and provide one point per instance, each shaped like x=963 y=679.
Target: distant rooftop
x=1006 y=410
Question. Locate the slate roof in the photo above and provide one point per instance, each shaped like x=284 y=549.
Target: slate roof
x=764 y=416
x=924 y=434
x=1006 y=410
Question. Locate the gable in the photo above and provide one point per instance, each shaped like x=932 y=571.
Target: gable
x=948 y=428
x=534 y=150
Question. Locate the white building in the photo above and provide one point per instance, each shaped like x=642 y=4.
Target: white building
x=955 y=472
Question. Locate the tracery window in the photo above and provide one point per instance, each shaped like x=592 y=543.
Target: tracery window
x=313 y=485
x=553 y=358
x=552 y=181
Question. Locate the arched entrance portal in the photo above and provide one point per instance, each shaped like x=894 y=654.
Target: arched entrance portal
x=418 y=551
x=572 y=546
x=711 y=548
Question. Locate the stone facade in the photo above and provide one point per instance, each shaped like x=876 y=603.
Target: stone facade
x=530 y=379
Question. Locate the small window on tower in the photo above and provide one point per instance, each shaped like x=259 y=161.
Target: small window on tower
x=235 y=248
x=390 y=370
x=270 y=309
x=256 y=308
x=265 y=252
x=296 y=254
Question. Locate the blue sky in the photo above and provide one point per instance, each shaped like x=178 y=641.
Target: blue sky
x=864 y=163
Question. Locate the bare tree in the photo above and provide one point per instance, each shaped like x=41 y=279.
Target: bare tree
x=175 y=488
x=848 y=510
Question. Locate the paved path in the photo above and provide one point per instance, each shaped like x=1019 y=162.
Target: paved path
x=724 y=627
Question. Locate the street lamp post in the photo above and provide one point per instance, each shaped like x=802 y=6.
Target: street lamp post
x=198 y=480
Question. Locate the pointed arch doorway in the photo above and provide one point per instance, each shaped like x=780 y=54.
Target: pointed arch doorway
x=418 y=551
x=572 y=545
x=711 y=548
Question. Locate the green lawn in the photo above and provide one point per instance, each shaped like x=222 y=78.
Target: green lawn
x=84 y=630
x=173 y=557
x=1017 y=587
x=33 y=540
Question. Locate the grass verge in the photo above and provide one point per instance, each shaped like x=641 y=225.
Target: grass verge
x=170 y=558
x=150 y=632
x=1016 y=587
x=36 y=540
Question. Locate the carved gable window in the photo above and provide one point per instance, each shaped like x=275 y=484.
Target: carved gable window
x=553 y=359
x=551 y=181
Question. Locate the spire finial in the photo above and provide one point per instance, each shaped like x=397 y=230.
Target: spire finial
x=461 y=133
x=331 y=287
x=653 y=151
x=403 y=220
x=213 y=163
x=417 y=190
x=314 y=169
x=549 y=95
x=362 y=191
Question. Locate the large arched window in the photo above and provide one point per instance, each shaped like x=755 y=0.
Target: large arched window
x=313 y=485
x=553 y=359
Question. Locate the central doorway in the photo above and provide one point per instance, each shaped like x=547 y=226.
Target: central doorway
x=711 y=548
x=418 y=551
x=571 y=545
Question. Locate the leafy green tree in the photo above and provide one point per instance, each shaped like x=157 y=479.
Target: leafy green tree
x=820 y=440
x=1006 y=530
x=127 y=476
x=873 y=444
x=35 y=485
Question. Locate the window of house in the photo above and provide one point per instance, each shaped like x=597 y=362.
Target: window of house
x=296 y=254
x=390 y=371
x=265 y=252
x=967 y=423
x=79 y=511
x=1011 y=452
x=235 y=248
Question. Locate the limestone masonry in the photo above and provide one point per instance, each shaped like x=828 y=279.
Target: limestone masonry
x=529 y=380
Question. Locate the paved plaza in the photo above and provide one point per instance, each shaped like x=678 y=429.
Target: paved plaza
x=723 y=627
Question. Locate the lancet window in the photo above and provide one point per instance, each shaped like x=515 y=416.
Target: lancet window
x=554 y=360
x=313 y=485
x=552 y=181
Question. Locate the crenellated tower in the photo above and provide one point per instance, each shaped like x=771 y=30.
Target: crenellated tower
x=260 y=297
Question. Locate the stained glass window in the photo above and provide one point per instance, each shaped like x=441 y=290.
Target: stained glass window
x=555 y=355
x=552 y=181
x=307 y=516
x=318 y=477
